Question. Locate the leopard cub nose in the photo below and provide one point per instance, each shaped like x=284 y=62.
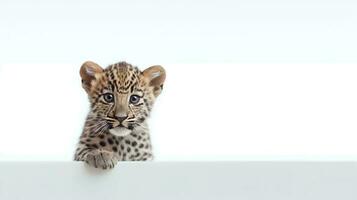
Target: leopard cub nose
x=122 y=118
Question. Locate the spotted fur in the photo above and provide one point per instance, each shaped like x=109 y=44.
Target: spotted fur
x=121 y=98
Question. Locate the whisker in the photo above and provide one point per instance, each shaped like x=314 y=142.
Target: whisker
x=110 y=119
x=142 y=126
x=98 y=127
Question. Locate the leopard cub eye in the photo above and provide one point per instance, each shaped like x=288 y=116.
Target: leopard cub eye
x=134 y=99
x=108 y=97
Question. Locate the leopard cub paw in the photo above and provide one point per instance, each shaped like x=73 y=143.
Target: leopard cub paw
x=100 y=158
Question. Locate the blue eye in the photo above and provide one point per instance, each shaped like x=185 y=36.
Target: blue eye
x=108 y=97
x=134 y=99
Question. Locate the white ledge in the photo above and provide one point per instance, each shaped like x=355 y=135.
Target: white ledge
x=179 y=180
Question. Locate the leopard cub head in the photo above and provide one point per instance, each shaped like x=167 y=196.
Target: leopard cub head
x=121 y=96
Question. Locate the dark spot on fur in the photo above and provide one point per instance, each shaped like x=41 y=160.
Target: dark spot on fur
x=130 y=126
x=110 y=141
x=102 y=143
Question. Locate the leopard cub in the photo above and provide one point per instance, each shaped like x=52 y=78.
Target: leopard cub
x=121 y=98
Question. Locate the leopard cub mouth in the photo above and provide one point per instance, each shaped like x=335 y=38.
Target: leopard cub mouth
x=120 y=131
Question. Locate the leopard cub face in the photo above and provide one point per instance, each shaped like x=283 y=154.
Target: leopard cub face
x=121 y=96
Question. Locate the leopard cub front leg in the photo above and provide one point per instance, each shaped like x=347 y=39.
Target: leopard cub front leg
x=100 y=158
x=98 y=152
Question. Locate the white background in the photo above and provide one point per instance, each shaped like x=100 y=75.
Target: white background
x=246 y=79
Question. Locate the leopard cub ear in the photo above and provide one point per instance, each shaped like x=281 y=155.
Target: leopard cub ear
x=88 y=73
x=155 y=75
